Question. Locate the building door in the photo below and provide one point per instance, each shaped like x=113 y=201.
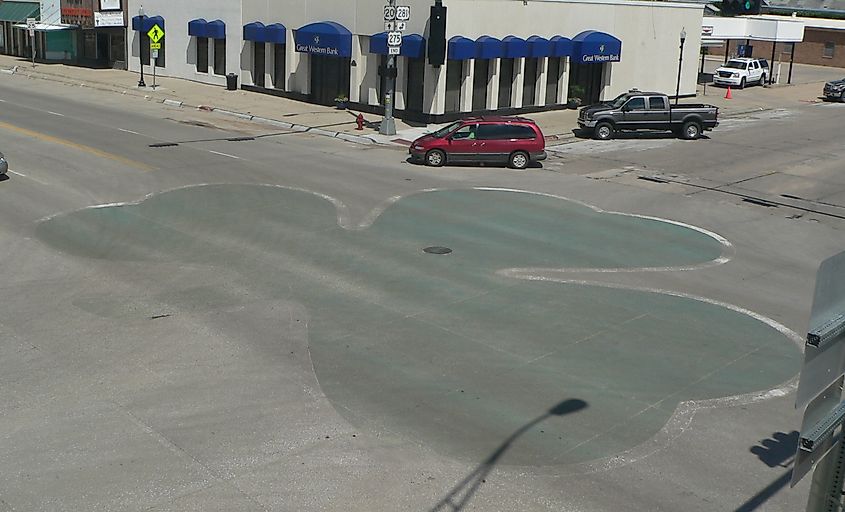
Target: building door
x=585 y=82
x=329 y=78
x=258 y=64
x=103 y=48
x=529 y=85
x=454 y=77
x=552 y=79
x=479 y=84
x=505 y=83
x=414 y=90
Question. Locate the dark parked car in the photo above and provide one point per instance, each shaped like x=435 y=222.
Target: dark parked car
x=638 y=110
x=835 y=90
x=515 y=141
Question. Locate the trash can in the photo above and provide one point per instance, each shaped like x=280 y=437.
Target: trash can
x=232 y=82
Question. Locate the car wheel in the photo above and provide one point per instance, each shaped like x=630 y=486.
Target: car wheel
x=603 y=131
x=842 y=97
x=742 y=83
x=691 y=130
x=435 y=158
x=518 y=160
x=762 y=80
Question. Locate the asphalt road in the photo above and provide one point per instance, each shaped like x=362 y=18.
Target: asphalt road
x=179 y=352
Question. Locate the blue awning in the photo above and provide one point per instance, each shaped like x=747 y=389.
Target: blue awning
x=515 y=47
x=413 y=45
x=216 y=29
x=593 y=46
x=488 y=47
x=255 y=31
x=196 y=28
x=539 y=46
x=561 y=46
x=461 y=48
x=145 y=23
x=324 y=38
x=275 y=33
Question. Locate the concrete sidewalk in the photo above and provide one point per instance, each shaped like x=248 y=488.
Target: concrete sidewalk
x=299 y=116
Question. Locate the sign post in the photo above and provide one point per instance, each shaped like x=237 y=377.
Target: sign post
x=30 y=27
x=820 y=445
x=156 y=34
x=395 y=21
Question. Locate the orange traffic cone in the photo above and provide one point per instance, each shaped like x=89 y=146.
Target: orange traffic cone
x=728 y=94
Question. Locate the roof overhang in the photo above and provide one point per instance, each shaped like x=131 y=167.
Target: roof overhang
x=786 y=30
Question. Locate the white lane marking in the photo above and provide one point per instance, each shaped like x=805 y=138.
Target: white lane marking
x=128 y=131
x=2 y=101
x=54 y=113
x=22 y=175
x=224 y=154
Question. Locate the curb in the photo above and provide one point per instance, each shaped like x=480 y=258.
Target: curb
x=172 y=103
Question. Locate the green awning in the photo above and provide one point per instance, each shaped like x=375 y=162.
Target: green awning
x=18 y=11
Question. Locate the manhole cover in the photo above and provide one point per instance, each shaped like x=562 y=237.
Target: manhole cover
x=437 y=250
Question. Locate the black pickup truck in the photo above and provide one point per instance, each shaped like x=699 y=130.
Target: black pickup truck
x=636 y=110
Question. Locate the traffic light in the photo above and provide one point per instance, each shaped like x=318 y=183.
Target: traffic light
x=741 y=7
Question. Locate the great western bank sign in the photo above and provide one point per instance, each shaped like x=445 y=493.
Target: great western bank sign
x=600 y=57
x=318 y=48
x=324 y=38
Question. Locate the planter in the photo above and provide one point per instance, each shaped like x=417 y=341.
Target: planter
x=573 y=103
x=340 y=105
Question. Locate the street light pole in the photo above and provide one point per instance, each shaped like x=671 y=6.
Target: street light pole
x=141 y=45
x=680 y=63
x=388 y=124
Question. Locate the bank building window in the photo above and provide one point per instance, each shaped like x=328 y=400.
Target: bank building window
x=219 y=56
x=202 y=55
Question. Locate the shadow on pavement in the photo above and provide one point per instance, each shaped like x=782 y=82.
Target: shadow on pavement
x=4 y=177
x=461 y=494
x=777 y=451
x=643 y=135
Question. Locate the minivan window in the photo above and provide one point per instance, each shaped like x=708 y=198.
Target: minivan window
x=465 y=132
x=493 y=132
x=522 y=132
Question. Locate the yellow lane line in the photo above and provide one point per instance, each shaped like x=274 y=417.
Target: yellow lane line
x=74 y=145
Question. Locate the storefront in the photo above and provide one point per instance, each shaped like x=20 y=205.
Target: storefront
x=497 y=55
x=100 y=38
x=14 y=39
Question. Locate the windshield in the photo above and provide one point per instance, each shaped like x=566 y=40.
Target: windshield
x=735 y=64
x=446 y=129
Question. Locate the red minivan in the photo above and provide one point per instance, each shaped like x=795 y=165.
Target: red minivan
x=516 y=141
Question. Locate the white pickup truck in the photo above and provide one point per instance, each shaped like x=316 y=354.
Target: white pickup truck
x=743 y=71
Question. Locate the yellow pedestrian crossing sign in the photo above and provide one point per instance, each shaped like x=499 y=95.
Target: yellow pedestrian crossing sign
x=155 y=34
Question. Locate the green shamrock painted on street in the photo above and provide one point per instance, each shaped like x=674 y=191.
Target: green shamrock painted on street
x=452 y=351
